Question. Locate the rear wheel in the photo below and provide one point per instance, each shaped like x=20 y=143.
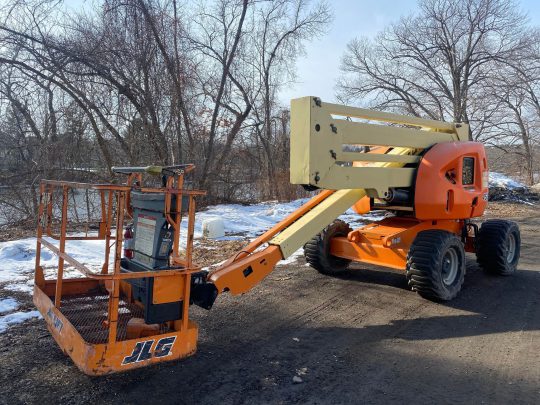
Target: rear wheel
x=436 y=265
x=317 y=250
x=498 y=246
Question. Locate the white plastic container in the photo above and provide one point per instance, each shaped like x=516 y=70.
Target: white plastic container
x=213 y=228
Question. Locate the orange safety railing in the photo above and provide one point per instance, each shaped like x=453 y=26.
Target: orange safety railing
x=114 y=209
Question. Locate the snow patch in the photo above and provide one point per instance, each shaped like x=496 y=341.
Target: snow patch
x=292 y=258
x=8 y=305
x=21 y=287
x=17 y=258
x=247 y=220
x=15 y=318
x=503 y=181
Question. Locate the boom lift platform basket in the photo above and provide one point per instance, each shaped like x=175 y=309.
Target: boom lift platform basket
x=99 y=319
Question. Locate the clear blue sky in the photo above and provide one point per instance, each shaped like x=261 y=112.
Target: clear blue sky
x=318 y=70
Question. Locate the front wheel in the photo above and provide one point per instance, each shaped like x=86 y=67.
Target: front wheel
x=436 y=265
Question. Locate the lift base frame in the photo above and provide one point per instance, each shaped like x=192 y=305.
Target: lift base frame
x=387 y=242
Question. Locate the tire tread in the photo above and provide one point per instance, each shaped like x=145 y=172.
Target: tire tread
x=424 y=262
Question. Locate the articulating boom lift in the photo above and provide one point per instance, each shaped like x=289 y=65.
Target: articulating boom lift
x=135 y=310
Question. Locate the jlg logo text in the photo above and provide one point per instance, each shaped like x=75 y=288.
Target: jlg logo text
x=143 y=350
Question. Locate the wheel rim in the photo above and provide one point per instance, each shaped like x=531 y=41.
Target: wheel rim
x=450 y=266
x=511 y=249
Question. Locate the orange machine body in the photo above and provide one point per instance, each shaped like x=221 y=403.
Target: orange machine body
x=451 y=186
x=387 y=242
x=452 y=182
x=440 y=191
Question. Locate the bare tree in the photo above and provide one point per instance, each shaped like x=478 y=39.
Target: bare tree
x=513 y=90
x=432 y=63
x=282 y=27
x=150 y=81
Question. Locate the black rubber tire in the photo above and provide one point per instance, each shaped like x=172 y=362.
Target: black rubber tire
x=492 y=247
x=317 y=250
x=427 y=265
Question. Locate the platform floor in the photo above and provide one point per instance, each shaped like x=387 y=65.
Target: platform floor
x=88 y=313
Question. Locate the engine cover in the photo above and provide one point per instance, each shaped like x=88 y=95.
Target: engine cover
x=452 y=182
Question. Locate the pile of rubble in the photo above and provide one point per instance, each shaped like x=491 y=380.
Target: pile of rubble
x=503 y=188
x=521 y=194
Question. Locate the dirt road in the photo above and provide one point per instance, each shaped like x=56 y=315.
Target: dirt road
x=362 y=338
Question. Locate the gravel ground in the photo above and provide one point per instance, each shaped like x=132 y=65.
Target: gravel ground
x=300 y=337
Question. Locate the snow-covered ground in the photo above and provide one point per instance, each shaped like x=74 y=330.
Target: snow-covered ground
x=17 y=258
x=251 y=220
x=502 y=181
